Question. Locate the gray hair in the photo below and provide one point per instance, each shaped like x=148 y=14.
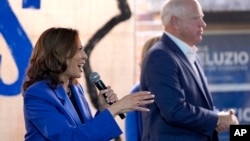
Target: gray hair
x=171 y=8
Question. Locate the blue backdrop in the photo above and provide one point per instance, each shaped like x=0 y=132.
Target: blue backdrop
x=225 y=59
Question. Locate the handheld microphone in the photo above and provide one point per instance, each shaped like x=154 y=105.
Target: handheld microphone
x=95 y=78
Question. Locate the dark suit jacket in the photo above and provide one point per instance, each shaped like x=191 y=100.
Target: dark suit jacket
x=50 y=115
x=183 y=108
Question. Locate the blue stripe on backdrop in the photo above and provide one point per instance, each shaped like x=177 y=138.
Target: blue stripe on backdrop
x=31 y=4
x=19 y=46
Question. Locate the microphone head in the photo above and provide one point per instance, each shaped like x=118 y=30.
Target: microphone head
x=94 y=77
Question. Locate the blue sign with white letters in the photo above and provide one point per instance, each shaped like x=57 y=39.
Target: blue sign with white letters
x=226 y=62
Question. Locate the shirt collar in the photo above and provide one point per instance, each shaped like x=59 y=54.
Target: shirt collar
x=189 y=52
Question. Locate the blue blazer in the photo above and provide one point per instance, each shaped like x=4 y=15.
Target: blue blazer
x=50 y=115
x=183 y=108
x=133 y=127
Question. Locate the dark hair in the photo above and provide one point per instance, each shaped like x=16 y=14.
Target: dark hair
x=48 y=60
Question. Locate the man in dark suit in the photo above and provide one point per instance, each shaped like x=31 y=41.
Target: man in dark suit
x=183 y=108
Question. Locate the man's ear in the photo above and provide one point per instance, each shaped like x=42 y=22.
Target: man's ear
x=174 y=21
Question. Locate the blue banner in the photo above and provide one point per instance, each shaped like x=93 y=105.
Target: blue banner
x=225 y=59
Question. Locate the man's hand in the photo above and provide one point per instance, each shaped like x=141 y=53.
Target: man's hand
x=225 y=120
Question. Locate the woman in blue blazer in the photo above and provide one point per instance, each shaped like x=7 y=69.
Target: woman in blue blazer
x=55 y=107
x=133 y=127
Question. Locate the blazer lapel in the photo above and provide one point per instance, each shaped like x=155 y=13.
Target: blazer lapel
x=82 y=103
x=67 y=105
x=200 y=82
x=204 y=84
x=181 y=56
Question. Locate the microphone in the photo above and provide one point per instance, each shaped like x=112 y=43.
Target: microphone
x=95 y=78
